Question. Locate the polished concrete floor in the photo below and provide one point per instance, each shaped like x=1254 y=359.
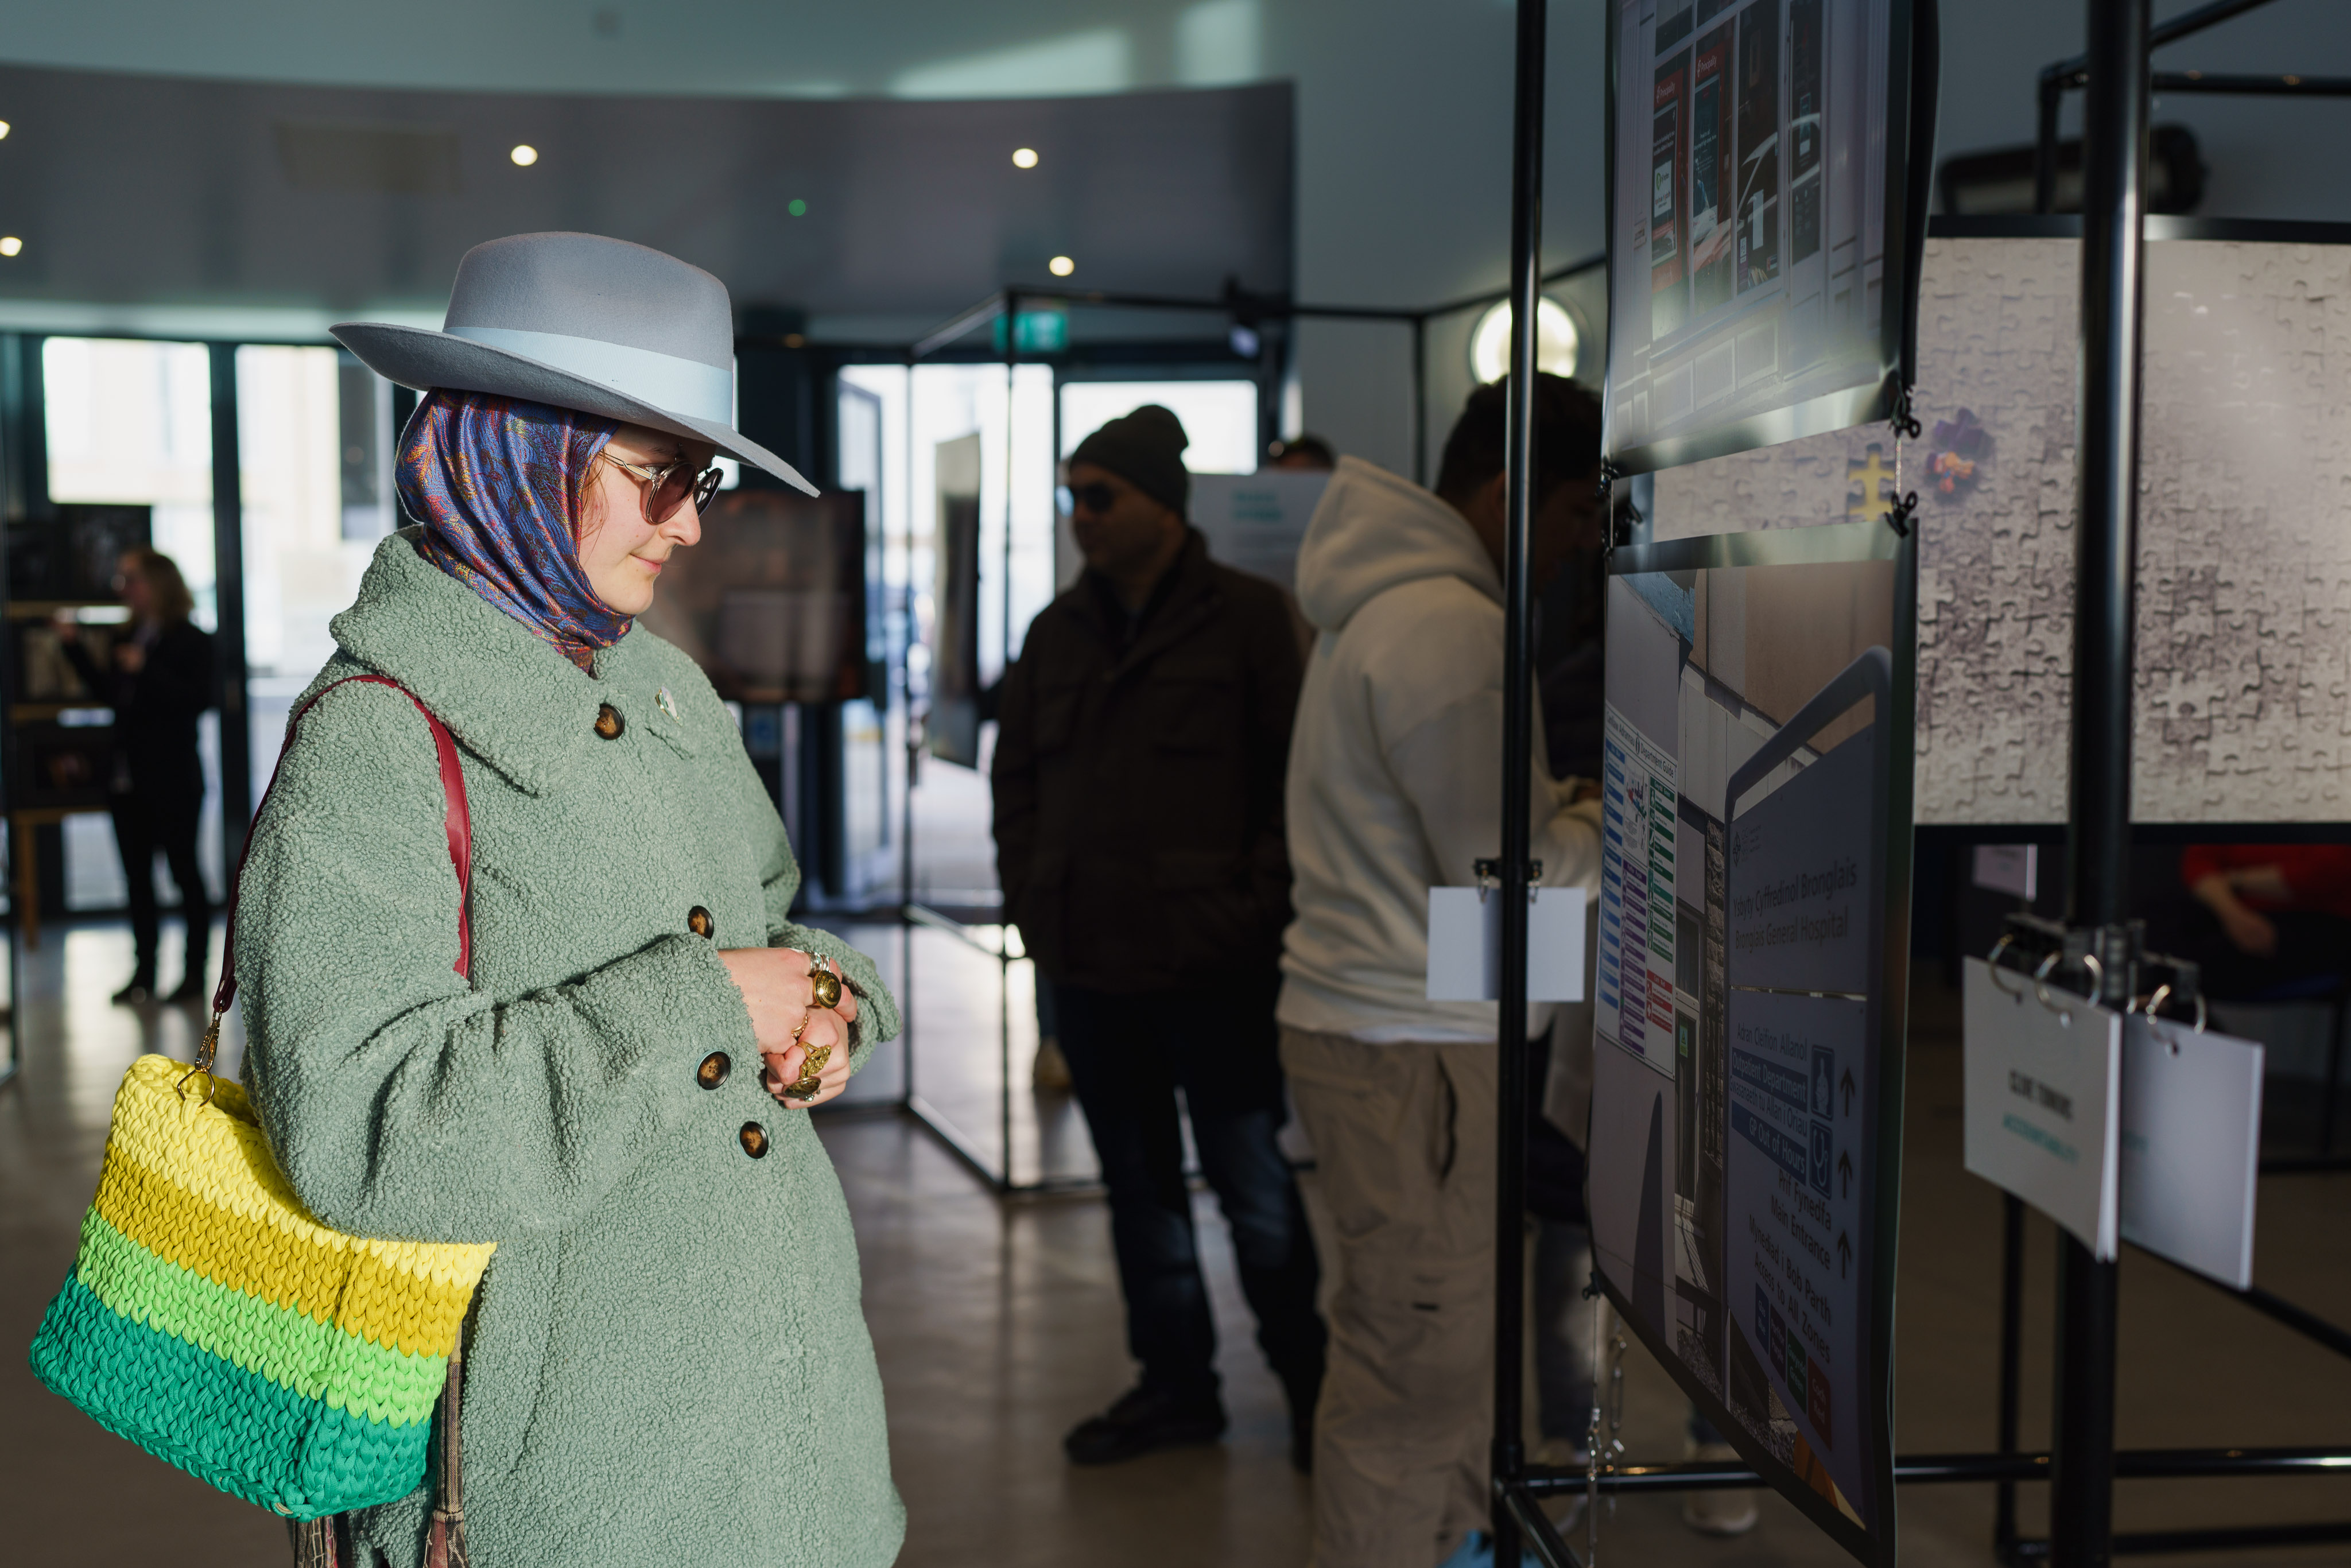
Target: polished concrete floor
x=998 y=1325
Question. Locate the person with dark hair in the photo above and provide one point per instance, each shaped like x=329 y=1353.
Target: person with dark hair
x=1138 y=781
x=1303 y=454
x=161 y=683
x=1396 y=788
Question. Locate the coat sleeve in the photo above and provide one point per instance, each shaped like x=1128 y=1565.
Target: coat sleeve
x=1276 y=671
x=1450 y=767
x=779 y=880
x=1435 y=692
x=99 y=683
x=398 y=1101
x=1012 y=781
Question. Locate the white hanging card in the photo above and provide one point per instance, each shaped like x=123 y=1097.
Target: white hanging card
x=2191 y=1142
x=1465 y=944
x=2042 y=1106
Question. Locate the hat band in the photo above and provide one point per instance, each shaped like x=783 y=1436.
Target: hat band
x=674 y=385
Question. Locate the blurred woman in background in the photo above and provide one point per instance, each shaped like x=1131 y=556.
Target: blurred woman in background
x=160 y=683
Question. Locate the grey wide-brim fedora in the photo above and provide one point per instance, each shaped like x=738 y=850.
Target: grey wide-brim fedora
x=585 y=322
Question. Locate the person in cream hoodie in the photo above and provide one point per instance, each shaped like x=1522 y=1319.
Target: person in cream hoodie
x=1395 y=786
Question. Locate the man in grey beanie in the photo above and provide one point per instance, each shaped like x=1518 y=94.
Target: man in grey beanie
x=1144 y=737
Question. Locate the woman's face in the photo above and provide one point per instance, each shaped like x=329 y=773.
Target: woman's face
x=622 y=553
x=136 y=595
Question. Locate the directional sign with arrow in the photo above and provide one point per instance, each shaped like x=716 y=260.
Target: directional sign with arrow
x=1844 y=1254
x=1844 y=1172
x=1848 y=1087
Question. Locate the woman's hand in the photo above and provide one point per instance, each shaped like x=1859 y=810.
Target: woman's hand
x=778 y=991
x=825 y=1029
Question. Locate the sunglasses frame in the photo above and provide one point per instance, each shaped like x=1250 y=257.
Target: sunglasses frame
x=1097 y=497
x=704 y=487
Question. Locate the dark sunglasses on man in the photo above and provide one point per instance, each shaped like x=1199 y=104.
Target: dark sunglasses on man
x=1097 y=497
x=670 y=485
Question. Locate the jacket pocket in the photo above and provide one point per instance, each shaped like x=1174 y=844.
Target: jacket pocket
x=1209 y=913
x=1038 y=912
x=1194 y=704
x=1057 y=715
x=1184 y=871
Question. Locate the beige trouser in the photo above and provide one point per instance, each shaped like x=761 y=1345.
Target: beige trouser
x=1403 y=1148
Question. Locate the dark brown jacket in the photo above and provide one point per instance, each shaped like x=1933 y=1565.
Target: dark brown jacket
x=1138 y=785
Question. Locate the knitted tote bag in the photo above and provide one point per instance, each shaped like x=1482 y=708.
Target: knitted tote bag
x=212 y=1320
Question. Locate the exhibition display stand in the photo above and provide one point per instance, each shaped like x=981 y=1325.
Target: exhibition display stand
x=2095 y=955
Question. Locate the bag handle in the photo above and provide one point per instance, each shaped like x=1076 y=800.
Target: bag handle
x=458 y=821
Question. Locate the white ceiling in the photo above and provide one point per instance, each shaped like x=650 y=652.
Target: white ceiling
x=175 y=190
x=1401 y=110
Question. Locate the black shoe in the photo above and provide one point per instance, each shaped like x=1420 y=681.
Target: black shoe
x=1144 y=1419
x=191 y=989
x=142 y=988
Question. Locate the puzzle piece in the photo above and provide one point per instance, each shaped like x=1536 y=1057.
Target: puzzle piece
x=1876 y=496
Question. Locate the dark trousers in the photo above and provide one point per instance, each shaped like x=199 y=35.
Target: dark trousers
x=143 y=824
x=1128 y=1056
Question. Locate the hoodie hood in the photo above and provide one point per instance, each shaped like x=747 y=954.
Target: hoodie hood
x=1373 y=531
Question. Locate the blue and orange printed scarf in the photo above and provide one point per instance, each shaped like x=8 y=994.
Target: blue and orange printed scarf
x=496 y=482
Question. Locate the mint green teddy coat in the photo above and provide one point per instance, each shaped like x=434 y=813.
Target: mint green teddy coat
x=668 y=1362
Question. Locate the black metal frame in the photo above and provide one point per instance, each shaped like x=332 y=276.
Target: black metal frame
x=2085 y=1463
x=2064 y=76
x=941 y=344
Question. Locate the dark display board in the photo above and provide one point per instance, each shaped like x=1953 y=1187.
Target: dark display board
x=1765 y=218
x=1747 y=1084
x=772 y=603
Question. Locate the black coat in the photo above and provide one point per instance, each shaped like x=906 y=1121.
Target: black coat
x=1139 y=783
x=155 y=711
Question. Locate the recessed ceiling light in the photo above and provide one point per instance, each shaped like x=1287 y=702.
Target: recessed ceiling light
x=1061 y=266
x=3 y=131
x=796 y=207
x=524 y=155
x=10 y=244
x=1024 y=157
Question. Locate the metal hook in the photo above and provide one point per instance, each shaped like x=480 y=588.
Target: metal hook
x=2041 y=990
x=2002 y=945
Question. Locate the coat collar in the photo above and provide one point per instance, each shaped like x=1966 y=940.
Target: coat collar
x=1189 y=587
x=508 y=697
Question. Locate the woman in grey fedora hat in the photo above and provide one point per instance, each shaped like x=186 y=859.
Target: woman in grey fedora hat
x=604 y=1067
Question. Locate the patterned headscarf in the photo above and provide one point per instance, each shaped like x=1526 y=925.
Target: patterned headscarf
x=496 y=482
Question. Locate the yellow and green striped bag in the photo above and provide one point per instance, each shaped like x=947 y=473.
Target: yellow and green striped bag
x=212 y=1320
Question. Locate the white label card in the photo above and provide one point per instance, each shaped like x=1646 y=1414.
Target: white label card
x=2042 y=1101
x=1465 y=944
x=2191 y=1144
x=2012 y=869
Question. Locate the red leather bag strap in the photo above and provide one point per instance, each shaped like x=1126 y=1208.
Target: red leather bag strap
x=457 y=818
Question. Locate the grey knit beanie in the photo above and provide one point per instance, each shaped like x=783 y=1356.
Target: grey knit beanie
x=1144 y=448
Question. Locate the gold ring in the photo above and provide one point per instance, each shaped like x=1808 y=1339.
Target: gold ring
x=810 y=1083
x=824 y=986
